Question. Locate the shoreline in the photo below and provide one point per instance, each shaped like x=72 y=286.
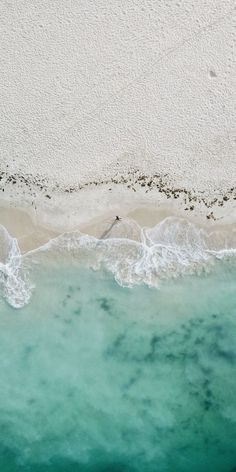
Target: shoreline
x=135 y=118
x=92 y=210
x=35 y=209
x=154 y=240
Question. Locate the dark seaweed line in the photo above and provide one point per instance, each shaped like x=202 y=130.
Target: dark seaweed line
x=133 y=178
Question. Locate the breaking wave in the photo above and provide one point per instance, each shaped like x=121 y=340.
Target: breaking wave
x=14 y=282
x=134 y=255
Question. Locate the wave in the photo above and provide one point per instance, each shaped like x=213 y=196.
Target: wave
x=14 y=281
x=134 y=255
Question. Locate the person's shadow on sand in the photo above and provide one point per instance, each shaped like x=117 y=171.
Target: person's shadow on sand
x=110 y=228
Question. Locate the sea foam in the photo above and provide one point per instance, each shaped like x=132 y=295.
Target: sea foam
x=134 y=255
x=14 y=281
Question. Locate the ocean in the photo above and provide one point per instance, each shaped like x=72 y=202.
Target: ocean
x=119 y=355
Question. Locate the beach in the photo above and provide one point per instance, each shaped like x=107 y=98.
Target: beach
x=117 y=236
x=100 y=120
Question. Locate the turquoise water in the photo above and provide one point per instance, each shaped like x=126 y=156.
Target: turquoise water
x=97 y=377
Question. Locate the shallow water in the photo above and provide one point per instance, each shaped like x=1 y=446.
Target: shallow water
x=98 y=377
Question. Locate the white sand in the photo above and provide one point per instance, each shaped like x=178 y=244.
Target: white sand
x=94 y=89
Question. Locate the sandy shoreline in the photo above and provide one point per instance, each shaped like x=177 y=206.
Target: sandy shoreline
x=136 y=249
x=134 y=118
x=92 y=211
x=137 y=115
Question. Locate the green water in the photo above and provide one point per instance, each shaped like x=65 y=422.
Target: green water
x=96 y=377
